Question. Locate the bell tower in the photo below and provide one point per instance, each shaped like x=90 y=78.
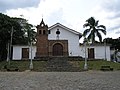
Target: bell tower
x=42 y=40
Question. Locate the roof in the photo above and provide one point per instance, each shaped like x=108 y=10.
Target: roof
x=96 y=44
x=64 y=27
x=22 y=45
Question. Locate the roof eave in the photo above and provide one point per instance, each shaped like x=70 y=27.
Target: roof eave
x=71 y=30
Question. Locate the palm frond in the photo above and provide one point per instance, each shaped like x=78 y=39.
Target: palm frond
x=86 y=25
x=89 y=37
x=91 y=21
x=99 y=36
x=93 y=36
x=93 y=29
x=101 y=26
x=96 y=23
x=86 y=32
x=103 y=31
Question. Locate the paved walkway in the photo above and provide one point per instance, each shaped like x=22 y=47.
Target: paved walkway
x=90 y=80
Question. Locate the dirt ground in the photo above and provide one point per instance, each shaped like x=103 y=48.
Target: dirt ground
x=88 y=80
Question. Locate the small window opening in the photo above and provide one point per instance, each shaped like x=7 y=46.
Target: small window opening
x=39 y=31
x=49 y=32
x=43 y=31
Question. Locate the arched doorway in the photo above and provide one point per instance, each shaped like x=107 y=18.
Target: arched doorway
x=57 y=49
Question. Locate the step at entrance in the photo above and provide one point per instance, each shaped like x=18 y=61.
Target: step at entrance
x=60 y=64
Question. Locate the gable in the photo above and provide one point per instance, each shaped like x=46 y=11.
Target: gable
x=64 y=34
x=65 y=28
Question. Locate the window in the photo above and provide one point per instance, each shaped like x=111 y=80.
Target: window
x=49 y=32
x=57 y=32
x=43 y=31
x=25 y=53
x=39 y=31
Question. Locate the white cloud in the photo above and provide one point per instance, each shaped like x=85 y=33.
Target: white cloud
x=34 y=14
x=108 y=14
x=73 y=13
x=14 y=4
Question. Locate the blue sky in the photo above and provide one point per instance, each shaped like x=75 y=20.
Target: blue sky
x=71 y=13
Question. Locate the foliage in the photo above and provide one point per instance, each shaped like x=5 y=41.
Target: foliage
x=19 y=36
x=93 y=30
x=115 y=43
x=6 y=24
x=29 y=33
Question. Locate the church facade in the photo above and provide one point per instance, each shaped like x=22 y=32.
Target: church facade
x=59 y=40
x=50 y=47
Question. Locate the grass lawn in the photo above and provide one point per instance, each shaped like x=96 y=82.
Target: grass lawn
x=24 y=65
x=41 y=65
x=96 y=65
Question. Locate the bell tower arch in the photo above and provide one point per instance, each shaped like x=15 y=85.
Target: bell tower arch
x=42 y=40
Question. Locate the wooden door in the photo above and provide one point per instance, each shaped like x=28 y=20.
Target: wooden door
x=57 y=50
x=25 y=53
x=91 y=54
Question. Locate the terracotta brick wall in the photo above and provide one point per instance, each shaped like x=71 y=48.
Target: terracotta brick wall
x=64 y=43
x=42 y=46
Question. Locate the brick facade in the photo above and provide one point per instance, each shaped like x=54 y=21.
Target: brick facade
x=64 y=43
x=42 y=40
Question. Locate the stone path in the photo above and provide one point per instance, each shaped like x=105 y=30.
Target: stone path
x=89 y=80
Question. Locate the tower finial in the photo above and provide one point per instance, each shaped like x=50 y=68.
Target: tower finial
x=42 y=15
x=42 y=23
x=42 y=19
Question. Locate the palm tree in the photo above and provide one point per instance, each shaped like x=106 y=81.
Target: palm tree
x=31 y=34
x=93 y=30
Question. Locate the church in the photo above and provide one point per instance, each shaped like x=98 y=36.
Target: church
x=59 y=40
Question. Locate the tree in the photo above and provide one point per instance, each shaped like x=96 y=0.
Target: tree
x=29 y=32
x=19 y=33
x=6 y=24
x=115 y=46
x=93 y=30
x=31 y=35
x=115 y=43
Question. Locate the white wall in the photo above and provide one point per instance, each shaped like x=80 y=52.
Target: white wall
x=73 y=40
x=17 y=52
x=73 y=45
x=99 y=51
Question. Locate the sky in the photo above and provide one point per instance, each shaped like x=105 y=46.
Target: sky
x=71 y=13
